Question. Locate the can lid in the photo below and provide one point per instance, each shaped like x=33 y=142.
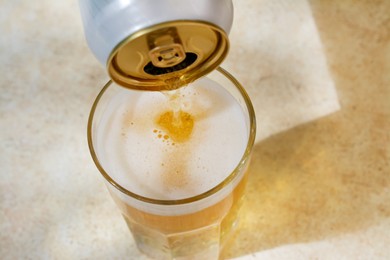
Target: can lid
x=167 y=55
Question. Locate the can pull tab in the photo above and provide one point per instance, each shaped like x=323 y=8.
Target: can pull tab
x=166 y=49
x=167 y=56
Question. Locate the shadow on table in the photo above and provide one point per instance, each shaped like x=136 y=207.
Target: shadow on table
x=312 y=182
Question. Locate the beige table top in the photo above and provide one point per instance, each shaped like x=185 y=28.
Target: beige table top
x=319 y=190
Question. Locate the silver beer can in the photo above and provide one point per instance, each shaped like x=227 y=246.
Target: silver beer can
x=151 y=44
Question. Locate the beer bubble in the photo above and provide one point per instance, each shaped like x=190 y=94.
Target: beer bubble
x=178 y=127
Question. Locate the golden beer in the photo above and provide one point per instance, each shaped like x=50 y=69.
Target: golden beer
x=186 y=234
x=176 y=167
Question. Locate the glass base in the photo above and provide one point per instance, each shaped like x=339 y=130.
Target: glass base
x=203 y=243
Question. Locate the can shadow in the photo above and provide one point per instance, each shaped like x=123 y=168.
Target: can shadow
x=305 y=186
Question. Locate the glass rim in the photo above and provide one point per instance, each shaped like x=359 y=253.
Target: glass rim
x=213 y=190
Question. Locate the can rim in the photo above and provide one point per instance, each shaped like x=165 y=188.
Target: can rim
x=186 y=77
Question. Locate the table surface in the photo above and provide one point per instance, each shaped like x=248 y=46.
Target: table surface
x=319 y=190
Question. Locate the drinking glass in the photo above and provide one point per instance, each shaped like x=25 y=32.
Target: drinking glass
x=194 y=227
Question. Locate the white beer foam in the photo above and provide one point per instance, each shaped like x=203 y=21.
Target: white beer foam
x=131 y=152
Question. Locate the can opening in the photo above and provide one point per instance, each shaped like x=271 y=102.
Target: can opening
x=151 y=69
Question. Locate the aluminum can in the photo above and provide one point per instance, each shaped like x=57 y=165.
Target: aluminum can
x=157 y=44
